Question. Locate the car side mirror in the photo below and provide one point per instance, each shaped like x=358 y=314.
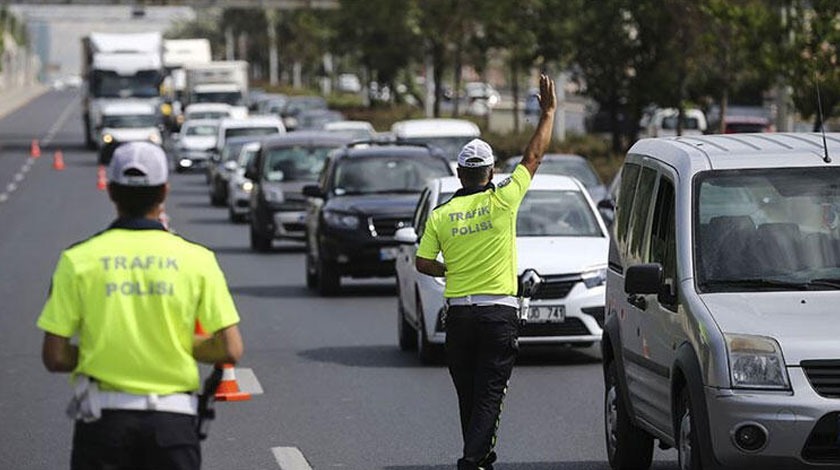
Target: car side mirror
x=313 y=190
x=606 y=208
x=231 y=165
x=642 y=279
x=406 y=236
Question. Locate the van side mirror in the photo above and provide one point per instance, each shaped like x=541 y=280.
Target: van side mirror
x=405 y=236
x=606 y=208
x=642 y=279
x=313 y=190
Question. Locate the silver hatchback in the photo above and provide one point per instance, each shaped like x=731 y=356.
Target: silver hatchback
x=722 y=336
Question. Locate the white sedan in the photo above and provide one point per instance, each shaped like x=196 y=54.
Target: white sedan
x=560 y=237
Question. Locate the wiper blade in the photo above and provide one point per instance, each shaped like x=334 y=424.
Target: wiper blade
x=825 y=282
x=760 y=283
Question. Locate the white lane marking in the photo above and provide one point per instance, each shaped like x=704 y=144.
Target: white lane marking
x=59 y=123
x=247 y=381
x=290 y=458
x=27 y=165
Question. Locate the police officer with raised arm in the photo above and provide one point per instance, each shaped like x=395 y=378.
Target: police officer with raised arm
x=132 y=294
x=476 y=232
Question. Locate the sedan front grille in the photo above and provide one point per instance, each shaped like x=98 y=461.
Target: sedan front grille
x=387 y=226
x=554 y=287
x=824 y=376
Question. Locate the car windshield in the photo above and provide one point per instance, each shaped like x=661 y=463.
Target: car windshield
x=249 y=131
x=296 y=163
x=361 y=175
x=555 y=213
x=768 y=229
x=124 y=121
x=451 y=146
x=233 y=98
x=143 y=84
x=207 y=115
x=202 y=130
x=552 y=213
x=231 y=151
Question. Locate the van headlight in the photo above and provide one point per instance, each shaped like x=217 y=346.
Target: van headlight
x=341 y=220
x=107 y=138
x=756 y=362
x=595 y=277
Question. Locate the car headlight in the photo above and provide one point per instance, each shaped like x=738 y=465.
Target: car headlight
x=595 y=277
x=273 y=195
x=247 y=186
x=107 y=138
x=154 y=138
x=341 y=220
x=756 y=362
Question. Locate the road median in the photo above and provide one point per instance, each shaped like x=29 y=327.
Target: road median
x=15 y=98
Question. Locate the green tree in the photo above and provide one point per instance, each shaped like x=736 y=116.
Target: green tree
x=812 y=56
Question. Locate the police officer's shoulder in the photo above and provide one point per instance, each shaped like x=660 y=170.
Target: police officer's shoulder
x=81 y=243
x=504 y=182
x=193 y=244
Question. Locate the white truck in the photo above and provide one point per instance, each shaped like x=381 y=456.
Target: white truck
x=218 y=82
x=117 y=67
x=177 y=55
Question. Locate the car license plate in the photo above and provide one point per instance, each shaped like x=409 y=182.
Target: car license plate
x=547 y=313
x=387 y=254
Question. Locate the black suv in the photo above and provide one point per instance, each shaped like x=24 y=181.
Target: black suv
x=366 y=192
x=285 y=164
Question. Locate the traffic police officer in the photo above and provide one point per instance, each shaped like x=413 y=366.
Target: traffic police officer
x=476 y=232
x=132 y=294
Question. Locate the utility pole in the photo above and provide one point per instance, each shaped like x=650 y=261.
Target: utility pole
x=273 y=53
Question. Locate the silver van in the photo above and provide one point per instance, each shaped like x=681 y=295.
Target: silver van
x=722 y=331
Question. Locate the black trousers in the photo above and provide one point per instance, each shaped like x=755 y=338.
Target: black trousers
x=137 y=440
x=481 y=348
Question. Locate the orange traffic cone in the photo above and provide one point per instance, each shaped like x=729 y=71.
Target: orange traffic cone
x=101 y=180
x=34 y=149
x=58 y=160
x=228 y=389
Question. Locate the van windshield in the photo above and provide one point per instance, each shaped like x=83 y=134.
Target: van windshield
x=767 y=229
x=297 y=163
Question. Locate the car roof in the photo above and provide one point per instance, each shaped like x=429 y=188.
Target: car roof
x=251 y=121
x=435 y=128
x=198 y=107
x=128 y=108
x=200 y=122
x=306 y=138
x=349 y=125
x=243 y=139
x=402 y=151
x=691 y=154
x=450 y=184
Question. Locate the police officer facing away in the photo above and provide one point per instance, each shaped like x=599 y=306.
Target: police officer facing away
x=476 y=232
x=132 y=294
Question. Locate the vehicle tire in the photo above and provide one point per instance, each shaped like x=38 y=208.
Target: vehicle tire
x=311 y=272
x=429 y=353
x=234 y=217
x=628 y=447
x=329 y=280
x=687 y=445
x=259 y=242
x=406 y=334
x=216 y=197
x=89 y=142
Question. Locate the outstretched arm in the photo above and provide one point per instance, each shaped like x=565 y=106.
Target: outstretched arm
x=542 y=135
x=432 y=267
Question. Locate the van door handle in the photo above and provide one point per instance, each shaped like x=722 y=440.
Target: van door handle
x=637 y=301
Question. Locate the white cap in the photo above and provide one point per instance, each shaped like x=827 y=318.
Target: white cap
x=477 y=153
x=138 y=164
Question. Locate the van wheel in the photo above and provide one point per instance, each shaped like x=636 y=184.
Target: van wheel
x=406 y=334
x=329 y=280
x=429 y=353
x=259 y=242
x=687 y=446
x=628 y=447
x=311 y=272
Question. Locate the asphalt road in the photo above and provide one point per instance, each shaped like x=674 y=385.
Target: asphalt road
x=336 y=386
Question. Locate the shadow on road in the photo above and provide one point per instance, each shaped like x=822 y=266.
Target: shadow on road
x=271 y=291
x=386 y=356
x=536 y=466
x=530 y=356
